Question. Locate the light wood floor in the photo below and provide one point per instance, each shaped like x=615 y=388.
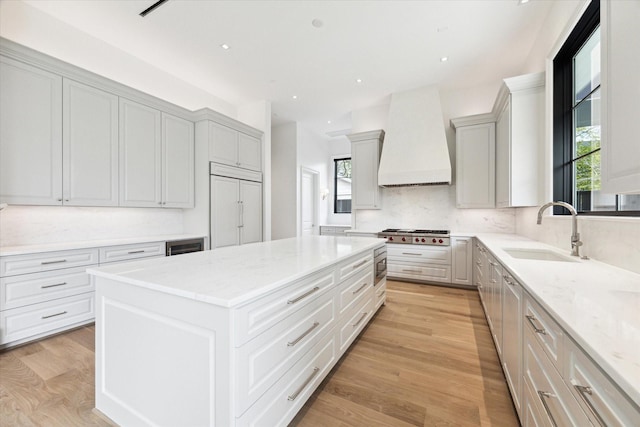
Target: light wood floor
x=426 y=359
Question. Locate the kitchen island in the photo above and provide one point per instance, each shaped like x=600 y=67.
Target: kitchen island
x=234 y=336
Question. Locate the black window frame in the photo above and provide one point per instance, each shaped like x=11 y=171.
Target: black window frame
x=563 y=179
x=335 y=186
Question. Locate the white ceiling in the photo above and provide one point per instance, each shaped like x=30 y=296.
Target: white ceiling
x=275 y=51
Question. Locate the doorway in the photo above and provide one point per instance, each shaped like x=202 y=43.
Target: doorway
x=308 y=201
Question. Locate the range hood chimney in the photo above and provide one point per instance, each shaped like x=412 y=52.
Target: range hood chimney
x=415 y=148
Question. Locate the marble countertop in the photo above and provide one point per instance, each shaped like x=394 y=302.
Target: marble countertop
x=598 y=305
x=50 y=247
x=237 y=274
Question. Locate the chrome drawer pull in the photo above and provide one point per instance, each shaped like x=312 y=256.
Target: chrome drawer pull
x=406 y=270
x=531 y=319
x=478 y=263
x=135 y=252
x=306 y=294
x=360 y=264
x=360 y=319
x=506 y=279
x=364 y=285
x=543 y=395
x=583 y=394
x=54 y=315
x=53 y=286
x=304 y=334
x=379 y=294
x=411 y=253
x=304 y=384
x=53 y=262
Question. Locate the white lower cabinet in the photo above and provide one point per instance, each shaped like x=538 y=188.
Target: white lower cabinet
x=421 y=263
x=462 y=260
x=512 y=338
x=560 y=407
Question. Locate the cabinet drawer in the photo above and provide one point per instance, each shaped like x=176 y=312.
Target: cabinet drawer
x=129 y=252
x=601 y=400
x=419 y=255
x=433 y=273
x=47 y=261
x=262 y=314
x=381 y=293
x=280 y=403
x=25 y=322
x=354 y=265
x=544 y=329
x=18 y=291
x=267 y=357
x=354 y=321
x=559 y=405
x=353 y=289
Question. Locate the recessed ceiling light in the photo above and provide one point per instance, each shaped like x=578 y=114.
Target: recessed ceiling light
x=317 y=23
x=442 y=29
x=358 y=80
x=444 y=59
x=523 y=1
x=225 y=46
x=328 y=122
x=295 y=97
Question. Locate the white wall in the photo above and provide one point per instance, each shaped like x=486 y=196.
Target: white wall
x=284 y=178
x=25 y=225
x=612 y=240
x=313 y=154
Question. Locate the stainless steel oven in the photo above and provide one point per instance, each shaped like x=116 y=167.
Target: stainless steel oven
x=380 y=261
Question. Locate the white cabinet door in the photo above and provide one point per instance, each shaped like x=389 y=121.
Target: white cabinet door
x=365 y=157
x=223 y=144
x=140 y=155
x=249 y=152
x=225 y=211
x=90 y=146
x=475 y=166
x=503 y=158
x=178 y=172
x=620 y=94
x=519 y=138
x=495 y=277
x=461 y=260
x=250 y=212
x=30 y=135
x=512 y=338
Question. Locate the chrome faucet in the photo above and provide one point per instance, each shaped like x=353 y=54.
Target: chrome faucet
x=575 y=236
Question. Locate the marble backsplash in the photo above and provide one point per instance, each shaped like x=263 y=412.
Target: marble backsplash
x=26 y=225
x=432 y=207
x=615 y=241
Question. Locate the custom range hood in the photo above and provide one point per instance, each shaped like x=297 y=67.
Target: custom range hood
x=415 y=148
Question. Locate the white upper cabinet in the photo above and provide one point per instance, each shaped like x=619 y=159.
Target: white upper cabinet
x=156 y=158
x=519 y=110
x=475 y=162
x=231 y=147
x=30 y=135
x=90 y=146
x=365 y=159
x=140 y=155
x=620 y=152
x=178 y=162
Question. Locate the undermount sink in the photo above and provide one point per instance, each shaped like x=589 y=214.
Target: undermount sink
x=537 y=254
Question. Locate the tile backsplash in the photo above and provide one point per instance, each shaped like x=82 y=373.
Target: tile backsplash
x=25 y=225
x=614 y=241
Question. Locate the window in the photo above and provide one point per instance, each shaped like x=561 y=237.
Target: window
x=576 y=124
x=342 y=185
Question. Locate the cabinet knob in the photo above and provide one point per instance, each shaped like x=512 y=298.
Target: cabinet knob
x=159 y=203
x=59 y=200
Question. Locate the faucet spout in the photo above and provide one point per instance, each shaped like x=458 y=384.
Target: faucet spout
x=575 y=236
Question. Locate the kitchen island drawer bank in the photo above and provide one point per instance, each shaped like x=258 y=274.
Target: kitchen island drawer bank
x=240 y=335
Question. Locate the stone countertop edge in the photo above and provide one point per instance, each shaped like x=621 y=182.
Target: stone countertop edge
x=597 y=304
x=252 y=283
x=84 y=244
